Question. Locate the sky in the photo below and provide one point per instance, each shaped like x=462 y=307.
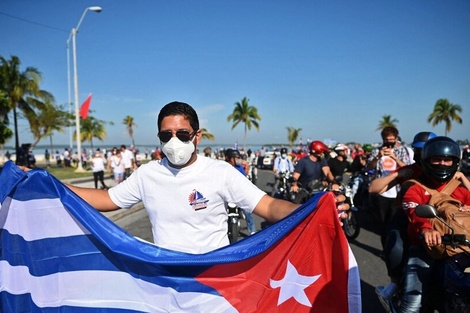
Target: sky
x=332 y=68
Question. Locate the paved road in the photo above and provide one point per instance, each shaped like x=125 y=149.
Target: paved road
x=366 y=247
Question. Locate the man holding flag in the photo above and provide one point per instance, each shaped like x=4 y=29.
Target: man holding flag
x=185 y=194
x=185 y=197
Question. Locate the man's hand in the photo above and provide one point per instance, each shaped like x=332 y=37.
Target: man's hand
x=431 y=237
x=341 y=207
x=24 y=168
x=294 y=188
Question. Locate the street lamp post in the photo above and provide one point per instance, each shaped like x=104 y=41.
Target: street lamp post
x=70 y=103
x=73 y=34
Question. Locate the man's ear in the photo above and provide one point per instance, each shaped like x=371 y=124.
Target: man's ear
x=198 y=136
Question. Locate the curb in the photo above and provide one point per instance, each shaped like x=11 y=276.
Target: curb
x=74 y=181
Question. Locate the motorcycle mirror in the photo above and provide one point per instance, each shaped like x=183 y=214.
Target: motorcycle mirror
x=426 y=211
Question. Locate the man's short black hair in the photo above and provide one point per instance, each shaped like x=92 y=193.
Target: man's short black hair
x=179 y=108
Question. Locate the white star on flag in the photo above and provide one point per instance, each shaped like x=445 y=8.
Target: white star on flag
x=293 y=285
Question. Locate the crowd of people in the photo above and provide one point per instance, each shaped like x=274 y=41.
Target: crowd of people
x=419 y=281
x=185 y=193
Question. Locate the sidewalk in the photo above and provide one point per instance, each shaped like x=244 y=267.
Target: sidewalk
x=109 y=181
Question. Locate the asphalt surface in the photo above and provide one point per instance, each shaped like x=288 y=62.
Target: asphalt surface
x=366 y=247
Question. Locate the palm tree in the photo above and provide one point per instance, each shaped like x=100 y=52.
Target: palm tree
x=22 y=91
x=244 y=113
x=52 y=118
x=446 y=112
x=92 y=128
x=206 y=135
x=292 y=135
x=387 y=121
x=130 y=124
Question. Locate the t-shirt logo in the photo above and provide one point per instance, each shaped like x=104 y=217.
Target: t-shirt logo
x=197 y=200
x=388 y=163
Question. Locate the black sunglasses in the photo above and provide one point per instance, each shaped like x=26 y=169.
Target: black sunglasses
x=182 y=135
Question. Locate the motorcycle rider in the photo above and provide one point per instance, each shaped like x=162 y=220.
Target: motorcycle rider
x=339 y=164
x=282 y=164
x=395 y=241
x=234 y=158
x=358 y=166
x=440 y=159
x=312 y=167
x=252 y=160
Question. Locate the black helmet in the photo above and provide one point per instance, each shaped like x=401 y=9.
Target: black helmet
x=283 y=150
x=440 y=146
x=232 y=153
x=420 y=139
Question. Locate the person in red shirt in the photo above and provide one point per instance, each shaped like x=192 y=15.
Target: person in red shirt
x=440 y=160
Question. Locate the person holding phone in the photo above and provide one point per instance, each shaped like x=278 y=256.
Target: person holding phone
x=385 y=160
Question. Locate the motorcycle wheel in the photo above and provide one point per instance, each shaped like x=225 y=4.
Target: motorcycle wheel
x=233 y=230
x=351 y=226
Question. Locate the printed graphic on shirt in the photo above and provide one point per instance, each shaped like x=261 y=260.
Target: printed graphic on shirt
x=197 y=200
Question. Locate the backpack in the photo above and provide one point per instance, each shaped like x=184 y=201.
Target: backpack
x=447 y=209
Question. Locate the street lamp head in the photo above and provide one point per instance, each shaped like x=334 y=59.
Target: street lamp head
x=95 y=9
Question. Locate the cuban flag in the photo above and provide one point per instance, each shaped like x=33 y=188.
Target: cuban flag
x=58 y=254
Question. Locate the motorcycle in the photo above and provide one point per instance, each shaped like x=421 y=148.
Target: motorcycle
x=282 y=186
x=359 y=185
x=457 y=267
x=457 y=272
x=350 y=226
x=235 y=214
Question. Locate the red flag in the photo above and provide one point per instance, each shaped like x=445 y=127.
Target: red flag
x=85 y=107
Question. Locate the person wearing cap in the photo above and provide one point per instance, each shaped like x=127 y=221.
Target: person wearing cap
x=282 y=163
x=339 y=164
x=234 y=158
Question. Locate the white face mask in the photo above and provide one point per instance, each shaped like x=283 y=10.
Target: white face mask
x=178 y=152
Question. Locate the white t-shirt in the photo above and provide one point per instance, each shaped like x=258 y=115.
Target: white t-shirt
x=117 y=164
x=127 y=157
x=98 y=164
x=187 y=207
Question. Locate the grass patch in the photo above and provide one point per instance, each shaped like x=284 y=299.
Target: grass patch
x=68 y=173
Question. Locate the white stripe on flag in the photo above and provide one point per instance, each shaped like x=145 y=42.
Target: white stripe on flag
x=50 y=210
x=105 y=289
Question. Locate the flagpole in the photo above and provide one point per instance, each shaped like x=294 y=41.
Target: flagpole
x=75 y=84
x=70 y=103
